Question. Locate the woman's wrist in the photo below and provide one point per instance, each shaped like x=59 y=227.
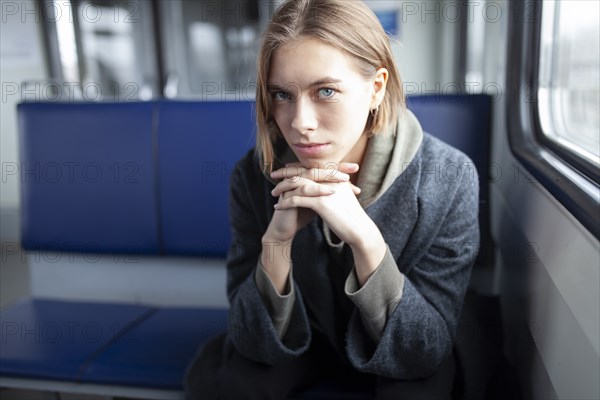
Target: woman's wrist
x=276 y=261
x=269 y=239
x=368 y=251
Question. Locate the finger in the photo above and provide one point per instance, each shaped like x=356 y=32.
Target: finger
x=348 y=168
x=290 y=170
x=326 y=175
x=314 y=174
x=295 y=202
x=302 y=187
x=355 y=189
x=323 y=189
x=312 y=191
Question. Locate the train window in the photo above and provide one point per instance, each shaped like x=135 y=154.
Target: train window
x=114 y=48
x=569 y=76
x=552 y=86
x=68 y=58
x=210 y=47
x=475 y=52
x=102 y=49
x=485 y=25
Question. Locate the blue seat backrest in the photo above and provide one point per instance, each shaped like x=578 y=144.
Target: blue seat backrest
x=154 y=177
x=464 y=122
x=87 y=177
x=198 y=145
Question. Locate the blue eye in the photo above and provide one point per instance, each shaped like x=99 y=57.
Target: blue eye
x=326 y=92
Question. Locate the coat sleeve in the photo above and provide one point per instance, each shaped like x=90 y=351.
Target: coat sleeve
x=377 y=299
x=251 y=328
x=419 y=333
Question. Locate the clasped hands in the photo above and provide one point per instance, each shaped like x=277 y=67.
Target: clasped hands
x=327 y=192
x=304 y=192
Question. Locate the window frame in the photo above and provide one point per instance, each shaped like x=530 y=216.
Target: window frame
x=572 y=180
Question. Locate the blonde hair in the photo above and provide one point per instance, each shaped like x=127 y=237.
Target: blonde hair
x=347 y=25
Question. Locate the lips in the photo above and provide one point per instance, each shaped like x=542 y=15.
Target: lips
x=310 y=148
x=309 y=144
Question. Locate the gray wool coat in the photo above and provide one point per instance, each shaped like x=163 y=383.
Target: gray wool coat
x=428 y=217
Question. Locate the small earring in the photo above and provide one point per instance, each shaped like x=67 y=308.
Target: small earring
x=374 y=112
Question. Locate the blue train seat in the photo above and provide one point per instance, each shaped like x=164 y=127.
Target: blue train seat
x=198 y=145
x=50 y=339
x=88 y=177
x=157 y=351
x=463 y=121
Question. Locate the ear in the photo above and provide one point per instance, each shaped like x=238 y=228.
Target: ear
x=379 y=85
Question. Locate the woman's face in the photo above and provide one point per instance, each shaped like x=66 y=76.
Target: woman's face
x=320 y=102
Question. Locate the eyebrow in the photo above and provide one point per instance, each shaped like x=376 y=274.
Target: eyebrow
x=322 y=81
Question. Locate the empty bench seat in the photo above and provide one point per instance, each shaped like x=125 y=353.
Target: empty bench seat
x=50 y=339
x=116 y=344
x=158 y=349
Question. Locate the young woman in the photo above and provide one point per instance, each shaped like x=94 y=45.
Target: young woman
x=350 y=255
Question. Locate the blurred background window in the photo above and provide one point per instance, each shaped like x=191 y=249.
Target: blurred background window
x=102 y=49
x=569 y=76
x=121 y=50
x=210 y=47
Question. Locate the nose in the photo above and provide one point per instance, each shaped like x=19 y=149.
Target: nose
x=305 y=116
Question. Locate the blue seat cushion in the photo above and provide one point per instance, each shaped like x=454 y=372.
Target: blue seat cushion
x=49 y=339
x=87 y=177
x=157 y=350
